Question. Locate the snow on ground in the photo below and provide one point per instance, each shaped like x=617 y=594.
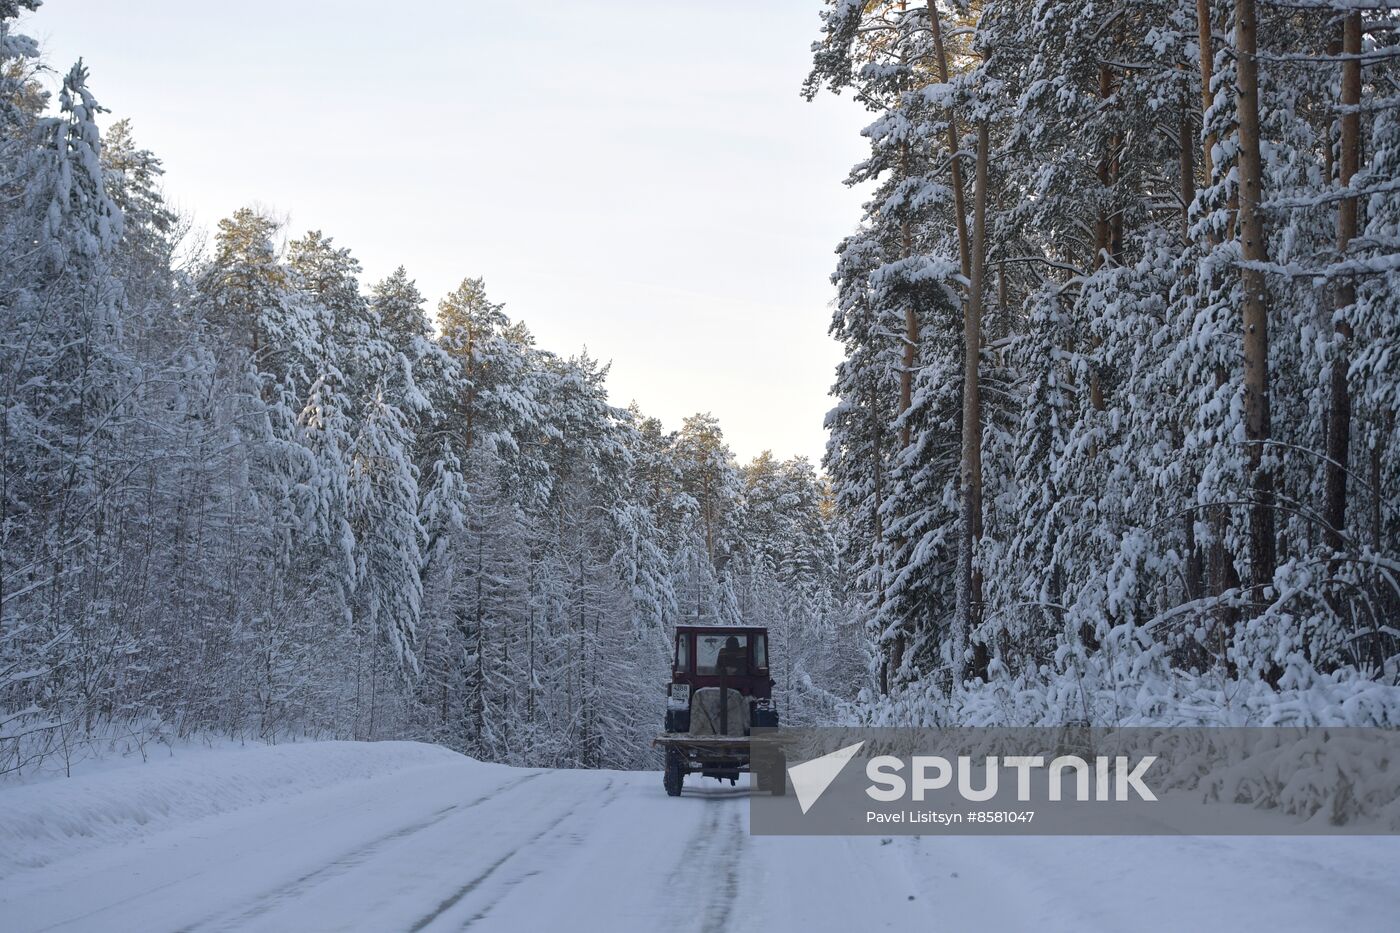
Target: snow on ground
x=401 y=836
x=42 y=821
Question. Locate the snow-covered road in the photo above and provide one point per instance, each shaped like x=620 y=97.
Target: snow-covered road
x=425 y=840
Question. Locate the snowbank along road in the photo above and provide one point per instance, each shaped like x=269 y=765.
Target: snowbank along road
x=400 y=836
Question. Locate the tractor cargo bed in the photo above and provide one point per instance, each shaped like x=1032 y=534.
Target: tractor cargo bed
x=717 y=742
x=721 y=756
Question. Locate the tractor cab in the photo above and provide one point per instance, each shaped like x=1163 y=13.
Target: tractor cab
x=710 y=656
x=720 y=690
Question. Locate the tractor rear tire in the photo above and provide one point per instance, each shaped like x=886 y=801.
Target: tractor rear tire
x=675 y=772
x=769 y=771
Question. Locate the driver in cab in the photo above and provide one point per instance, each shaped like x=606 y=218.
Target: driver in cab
x=733 y=658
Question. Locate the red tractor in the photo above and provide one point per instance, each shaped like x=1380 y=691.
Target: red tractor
x=720 y=690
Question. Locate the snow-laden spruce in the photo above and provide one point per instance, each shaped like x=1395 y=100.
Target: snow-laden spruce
x=1120 y=325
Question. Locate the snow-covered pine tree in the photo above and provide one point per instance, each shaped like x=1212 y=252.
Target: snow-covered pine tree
x=1163 y=488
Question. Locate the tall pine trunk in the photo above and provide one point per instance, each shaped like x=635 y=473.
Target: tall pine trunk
x=878 y=527
x=1108 y=234
x=1207 y=47
x=911 y=318
x=969 y=614
x=953 y=142
x=1254 y=251
x=955 y=166
x=1186 y=154
x=1221 y=564
x=910 y=357
x=1339 y=411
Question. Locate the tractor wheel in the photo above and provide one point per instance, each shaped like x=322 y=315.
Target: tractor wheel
x=779 y=788
x=675 y=772
x=770 y=773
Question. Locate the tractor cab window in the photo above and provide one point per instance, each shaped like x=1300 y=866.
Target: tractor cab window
x=760 y=652
x=721 y=654
x=683 y=653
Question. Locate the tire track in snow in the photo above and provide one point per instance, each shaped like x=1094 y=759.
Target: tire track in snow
x=510 y=885
x=482 y=877
x=355 y=857
x=718 y=840
x=719 y=908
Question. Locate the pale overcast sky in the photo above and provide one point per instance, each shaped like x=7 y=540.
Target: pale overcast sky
x=639 y=177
